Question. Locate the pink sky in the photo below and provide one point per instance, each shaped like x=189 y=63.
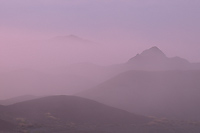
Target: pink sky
x=125 y=27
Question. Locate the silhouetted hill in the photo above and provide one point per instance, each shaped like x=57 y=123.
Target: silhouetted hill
x=6 y=127
x=59 y=114
x=67 y=113
x=73 y=109
x=6 y=121
x=172 y=94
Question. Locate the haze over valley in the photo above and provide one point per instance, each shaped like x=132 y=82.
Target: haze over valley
x=99 y=66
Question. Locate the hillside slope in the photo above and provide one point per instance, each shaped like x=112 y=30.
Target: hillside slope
x=173 y=94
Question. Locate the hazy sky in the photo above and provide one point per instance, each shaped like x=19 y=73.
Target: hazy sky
x=126 y=26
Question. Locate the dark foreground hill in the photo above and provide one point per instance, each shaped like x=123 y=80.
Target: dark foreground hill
x=73 y=109
x=66 y=113
x=171 y=94
x=6 y=127
x=70 y=114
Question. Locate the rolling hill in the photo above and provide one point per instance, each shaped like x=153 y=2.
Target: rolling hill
x=152 y=59
x=73 y=114
x=63 y=113
x=171 y=94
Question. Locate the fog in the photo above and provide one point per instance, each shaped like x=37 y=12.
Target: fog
x=140 y=57
x=123 y=28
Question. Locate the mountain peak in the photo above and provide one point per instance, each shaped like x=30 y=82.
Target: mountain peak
x=67 y=37
x=71 y=38
x=153 y=52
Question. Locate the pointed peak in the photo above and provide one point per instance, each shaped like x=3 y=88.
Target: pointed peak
x=153 y=52
x=71 y=38
x=154 y=48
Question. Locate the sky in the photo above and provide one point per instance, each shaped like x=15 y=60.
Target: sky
x=124 y=27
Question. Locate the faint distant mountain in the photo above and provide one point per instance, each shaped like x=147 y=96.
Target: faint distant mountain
x=152 y=59
x=71 y=39
x=17 y=99
x=172 y=94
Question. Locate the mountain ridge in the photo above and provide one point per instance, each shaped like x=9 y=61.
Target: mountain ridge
x=154 y=59
x=157 y=93
x=65 y=113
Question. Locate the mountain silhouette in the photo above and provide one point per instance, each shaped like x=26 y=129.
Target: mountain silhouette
x=152 y=53
x=74 y=109
x=152 y=59
x=71 y=114
x=67 y=114
x=155 y=59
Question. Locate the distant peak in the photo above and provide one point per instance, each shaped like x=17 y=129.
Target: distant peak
x=72 y=39
x=154 y=48
x=72 y=36
x=68 y=36
x=153 y=51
